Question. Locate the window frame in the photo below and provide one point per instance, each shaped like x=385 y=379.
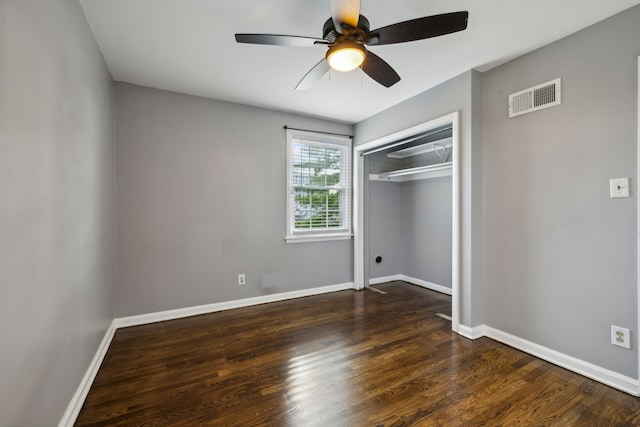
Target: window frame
x=294 y=235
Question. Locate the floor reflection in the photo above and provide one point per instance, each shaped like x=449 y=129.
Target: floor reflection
x=317 y=380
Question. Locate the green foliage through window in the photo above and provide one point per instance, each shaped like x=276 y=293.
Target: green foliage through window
x=318 y=186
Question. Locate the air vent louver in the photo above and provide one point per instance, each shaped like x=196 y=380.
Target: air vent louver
x=535 y=98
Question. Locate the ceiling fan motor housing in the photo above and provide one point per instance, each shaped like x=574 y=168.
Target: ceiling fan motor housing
x=330 y=34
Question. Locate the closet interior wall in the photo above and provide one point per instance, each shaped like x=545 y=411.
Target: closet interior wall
x=410 y=223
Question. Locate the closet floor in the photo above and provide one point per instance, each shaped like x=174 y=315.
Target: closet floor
x=350 y=358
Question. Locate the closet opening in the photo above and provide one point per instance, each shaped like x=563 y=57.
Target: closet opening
x=406 y=209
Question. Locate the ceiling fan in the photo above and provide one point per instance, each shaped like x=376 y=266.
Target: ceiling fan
x=347 y=32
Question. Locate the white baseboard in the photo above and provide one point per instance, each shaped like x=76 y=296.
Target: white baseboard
x=589 y=370
x=73 y=410
x=385 y=279
x=413 y=281
x=161 y=316
x=471 y=333
x=425 y=284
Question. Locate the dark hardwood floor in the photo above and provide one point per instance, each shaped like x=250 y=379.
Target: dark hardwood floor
x=341 y=359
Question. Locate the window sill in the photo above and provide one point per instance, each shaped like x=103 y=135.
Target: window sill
x=317 y=238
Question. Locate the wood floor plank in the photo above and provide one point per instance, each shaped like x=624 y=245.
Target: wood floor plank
x=341 y=359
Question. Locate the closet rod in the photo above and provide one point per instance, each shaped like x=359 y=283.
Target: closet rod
x=406 y=140
x=318 y=131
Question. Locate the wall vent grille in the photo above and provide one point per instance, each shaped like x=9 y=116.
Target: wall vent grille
x=535 y=98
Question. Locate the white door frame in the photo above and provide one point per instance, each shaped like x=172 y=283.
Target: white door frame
x=358 y=204
x=638 y=231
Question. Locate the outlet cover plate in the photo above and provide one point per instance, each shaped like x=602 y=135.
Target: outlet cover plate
x=620 y=337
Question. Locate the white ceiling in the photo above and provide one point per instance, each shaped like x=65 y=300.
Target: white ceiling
x=188 y=46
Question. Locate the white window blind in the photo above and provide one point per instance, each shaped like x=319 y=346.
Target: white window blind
x=318 y=186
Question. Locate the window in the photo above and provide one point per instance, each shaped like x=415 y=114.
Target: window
x=318 y=186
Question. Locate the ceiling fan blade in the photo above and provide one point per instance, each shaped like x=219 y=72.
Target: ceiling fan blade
x=379 y=70
x=316 y=73
x=278 y=40
x=418 y=29
x=345 y=12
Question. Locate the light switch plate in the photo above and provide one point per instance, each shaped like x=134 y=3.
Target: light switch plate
x=619 y=187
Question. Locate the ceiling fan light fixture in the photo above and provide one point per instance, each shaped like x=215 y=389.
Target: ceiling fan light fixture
x=346 y=56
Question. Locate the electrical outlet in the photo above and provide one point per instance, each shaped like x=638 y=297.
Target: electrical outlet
x=241 y=279
x=620 y=337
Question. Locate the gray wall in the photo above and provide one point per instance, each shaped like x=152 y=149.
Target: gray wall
x=382 y=207
x=464 y=94
x=56 y=209
x=560 y=255
x=385 y=221
x=426 y=219
x=201 y=198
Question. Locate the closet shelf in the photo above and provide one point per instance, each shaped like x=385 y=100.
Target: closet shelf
x=412 y=174
x=430 y=147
